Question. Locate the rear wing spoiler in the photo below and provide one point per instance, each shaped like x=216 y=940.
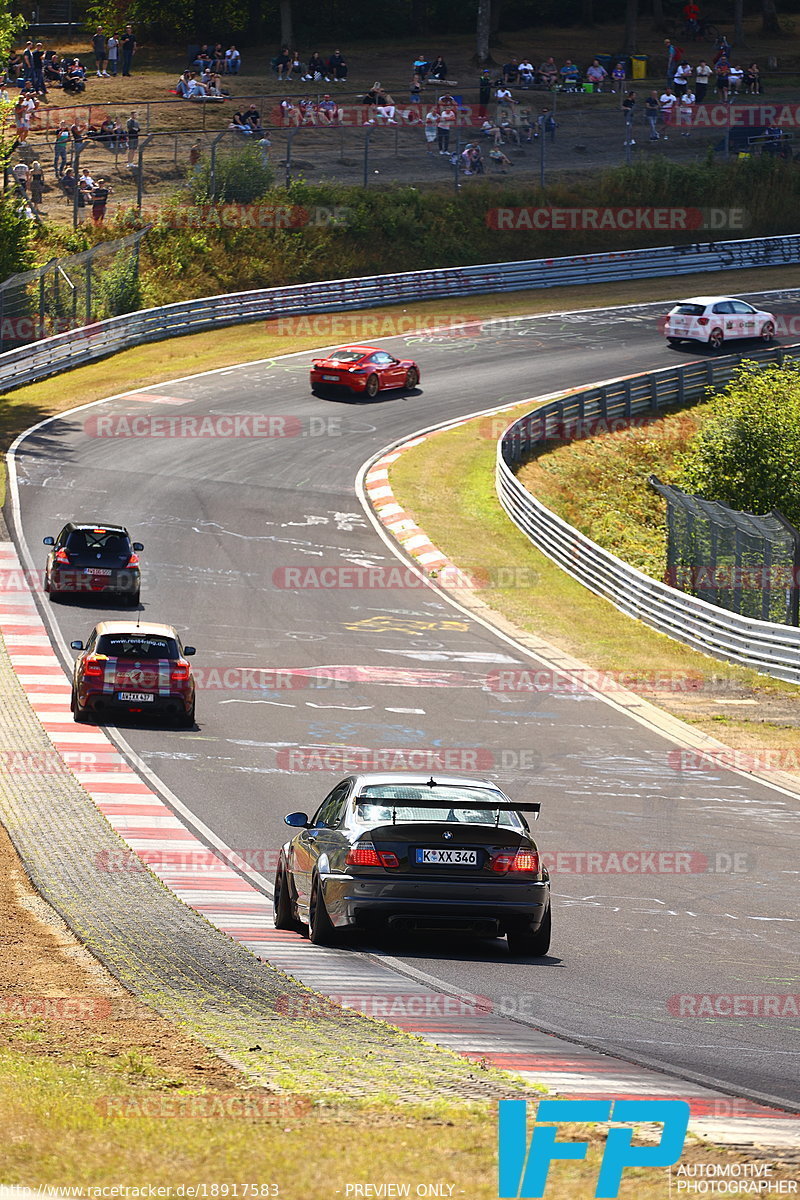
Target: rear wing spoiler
x=434 y=802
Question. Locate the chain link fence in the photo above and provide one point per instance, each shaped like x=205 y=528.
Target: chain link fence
x=68 y=293
x=745 y=563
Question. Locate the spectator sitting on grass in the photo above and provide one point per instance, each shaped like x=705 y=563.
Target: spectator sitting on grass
x=328 y=110
x=438 y=68
x=337 y=67
x=282 y=63
x=253 y=118
x=296 y=66
x=233 y=61
x=203 y=60
x=219 y=58
x=596 y=74
x=493 y=131
x=476 y=160
x=526 y=72
x=196 y=90
x=239 y=125
x=752 y=80
x=509 y=132
x=735 y=79
x=182 y=86
x=421 y=67
x=503 y=96
x=548 y=73
x=499 y=159
x=290 y=114
x=316 y=68
x=511 y=71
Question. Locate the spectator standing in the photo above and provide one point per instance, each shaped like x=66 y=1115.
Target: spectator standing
x=484 y=89
x=100 y=193
x=691 y=17
x=23 y=112
x=702 y=75
x=100 y=52
x=233 y=61
x=445 y=121
x=21 y=172
x=27 y=63
x=68 y=183
x=686 y=110
x=431 y=121
x=60 y=150
x=132 y=128
x=128 y=49
x=651 y=112
x=546 y=123
x=37 y=184
x=683 y=78
x=722 y=71
x=112 y=49
x=667 y=101
x=673 y=58
x=38 y=69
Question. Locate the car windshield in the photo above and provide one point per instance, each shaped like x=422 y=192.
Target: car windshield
x=106 y=543
x=138 y=646
x=346 y=355
x=407 y=802
x=689 y=310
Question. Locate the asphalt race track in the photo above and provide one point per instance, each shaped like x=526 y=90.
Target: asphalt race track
x=222 y=517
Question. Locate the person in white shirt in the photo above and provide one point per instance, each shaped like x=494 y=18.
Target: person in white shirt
x=526 y=72
x=735 y=79
x=687 y=103
x=112 y=51
x=667 y=101
x=702 y=75
x=503 y=96
x=233 y=61
x=683 y=78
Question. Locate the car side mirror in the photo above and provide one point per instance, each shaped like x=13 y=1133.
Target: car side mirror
x=138 y=546
x=49 y=541
x=76 y=645
x=298 y=820
x=189 y=651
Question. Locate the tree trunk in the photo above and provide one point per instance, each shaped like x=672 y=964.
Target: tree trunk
x=482 y=56
x=769 y=21
x=738 y=22
x=631 y=16
x=287 y=36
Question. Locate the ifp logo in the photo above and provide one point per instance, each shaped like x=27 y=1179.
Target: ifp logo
x=523 y=1168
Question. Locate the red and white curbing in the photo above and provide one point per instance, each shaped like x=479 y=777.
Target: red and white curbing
x=402 y=527
x=238 y=908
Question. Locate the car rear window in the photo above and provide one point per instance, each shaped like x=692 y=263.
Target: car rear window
x=346 y=355
x=689 y=310
x=107 y=543
x=407 y=802
x=138 y=646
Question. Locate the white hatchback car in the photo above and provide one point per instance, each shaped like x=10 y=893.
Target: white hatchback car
x=717 y=319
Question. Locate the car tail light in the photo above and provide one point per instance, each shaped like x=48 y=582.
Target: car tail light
x=702 y=320
x=133 y=561
x=62 y=557
x=365 y=855
x=180 y=671
x=94 y=665
x=519 y=860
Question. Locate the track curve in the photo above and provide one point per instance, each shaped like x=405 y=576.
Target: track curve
x=220 y=516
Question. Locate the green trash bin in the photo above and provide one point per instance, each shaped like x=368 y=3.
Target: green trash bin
x=587 y=87
x=639 y=64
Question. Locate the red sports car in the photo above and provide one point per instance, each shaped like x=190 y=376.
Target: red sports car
x=363 y=369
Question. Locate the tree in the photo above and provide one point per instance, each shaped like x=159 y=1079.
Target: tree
x=482 y=56
x=769 y=19
x=631 y=18
x=658 y=15
x=287 y=34
x=738 y=22
x=9 y=28
x=747 y=450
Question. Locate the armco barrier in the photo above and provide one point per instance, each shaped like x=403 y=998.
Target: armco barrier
x=772 y=649
x=37 y=361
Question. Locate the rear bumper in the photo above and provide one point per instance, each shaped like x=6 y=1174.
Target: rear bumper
x=75 y=581
x=360 y=902
x=175 y=704
x=356 y=383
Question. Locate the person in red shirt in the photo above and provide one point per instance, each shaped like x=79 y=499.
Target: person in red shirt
x=691 y=15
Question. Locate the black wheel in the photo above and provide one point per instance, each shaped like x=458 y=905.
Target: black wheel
x=673 y=341
x=282 y=909
x=372 y=386
x=132 y=601
x=716 y=339
x=186 y=720
x=412 y=378
x=530 y=945
x=80 y=714
x=320 y=928
x=768 y=332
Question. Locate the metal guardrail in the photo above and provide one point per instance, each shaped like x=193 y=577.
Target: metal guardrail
x=766 y=647
x=18 y=367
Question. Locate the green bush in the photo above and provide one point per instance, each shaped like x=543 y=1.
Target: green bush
x=118 y=287
x=747 y=452
x=240 y=176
